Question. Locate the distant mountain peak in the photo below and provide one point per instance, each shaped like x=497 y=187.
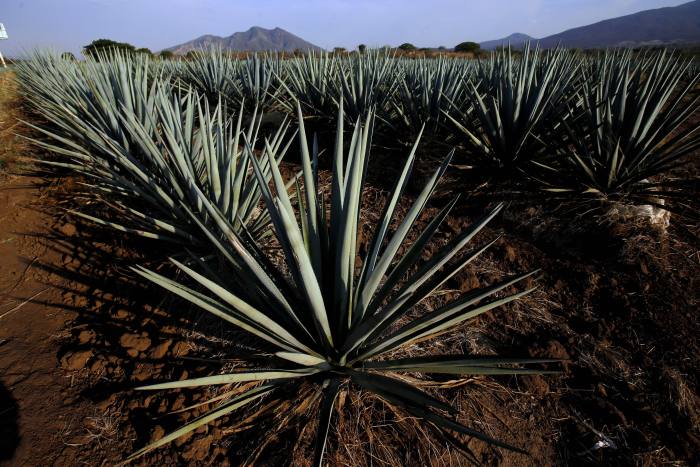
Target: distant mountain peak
x=255 y=39
x=517 y=39
x=519 y=35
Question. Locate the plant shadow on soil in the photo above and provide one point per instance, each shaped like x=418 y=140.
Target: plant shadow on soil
x=128 y=333
x=9 y=426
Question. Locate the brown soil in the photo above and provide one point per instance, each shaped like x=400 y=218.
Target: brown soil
x=41 y=413
x=618 y=302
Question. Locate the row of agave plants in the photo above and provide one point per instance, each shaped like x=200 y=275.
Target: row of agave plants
x=555 y=124
x=186 y=168
x=607 y=128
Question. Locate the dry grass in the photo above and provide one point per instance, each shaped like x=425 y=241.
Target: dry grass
x=682 y=396
x=11 y=146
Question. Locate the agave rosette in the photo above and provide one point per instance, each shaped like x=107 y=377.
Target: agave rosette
x=630 y=131
x=513 y=102
x=427 y=89
x=329 y=320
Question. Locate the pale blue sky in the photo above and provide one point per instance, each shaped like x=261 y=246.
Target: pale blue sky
x=157 y=24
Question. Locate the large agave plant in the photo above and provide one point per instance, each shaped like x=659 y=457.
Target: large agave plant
x=512 y=100
x=82 y=100
x=631 y=130
x=334 y=321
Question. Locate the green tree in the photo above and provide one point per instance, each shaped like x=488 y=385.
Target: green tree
x=472 y=47
x=144 y=50
x=407 y=47
x=68 y=56
x=339 y=50
x=106 y=45
x=362 y=48
x=166 y=55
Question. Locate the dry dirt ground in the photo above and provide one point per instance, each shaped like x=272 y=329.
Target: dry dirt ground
x=618 y=302
x=41 y=417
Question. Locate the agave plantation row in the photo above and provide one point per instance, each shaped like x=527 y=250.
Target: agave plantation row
x=555 y=122
x=176 y=152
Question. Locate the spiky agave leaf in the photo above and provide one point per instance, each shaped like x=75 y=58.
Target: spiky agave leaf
x=310 y=79
x=427 y=89
x=329 y=318
x=150 y=152
x=511 y=101
x=632 y=127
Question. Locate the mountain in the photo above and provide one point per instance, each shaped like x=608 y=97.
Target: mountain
x=515 y=40
x=254 y=39
x=679 y=25
x=670 y=25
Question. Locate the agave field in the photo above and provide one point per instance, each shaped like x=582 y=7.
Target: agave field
x=311 y=214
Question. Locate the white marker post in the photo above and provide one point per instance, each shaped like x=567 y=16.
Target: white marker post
x=3 y=35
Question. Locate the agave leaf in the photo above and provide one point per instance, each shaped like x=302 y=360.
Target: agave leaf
x=416 y=404
x=452 y=425
x=238 y=377
x=330 y=393
x=384 y=385
x=301 y=358
x=446 y=317
x=387 y=257
x=214 y=307
x=454 y=360
x=309 y=282
x=245 y=308
x=115 y=226
x=408 y=293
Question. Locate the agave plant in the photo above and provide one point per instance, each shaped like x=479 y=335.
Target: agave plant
x=255 y=80
x=427 y=88
x=366 y=81
x=83 y=99
x=330 y=320
x=212 y=73
x=632 y=129
x=511 y=101
x=310 y=79
x=146 y=151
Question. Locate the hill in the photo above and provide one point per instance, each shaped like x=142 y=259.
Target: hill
x=255 y=39
x=661 y=26
x=679 y=25
x=515 y=40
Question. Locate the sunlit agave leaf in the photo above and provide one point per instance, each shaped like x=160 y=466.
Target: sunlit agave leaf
x=225 y=409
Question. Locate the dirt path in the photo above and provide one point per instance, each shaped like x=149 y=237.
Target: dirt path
x=42 y=417
x=37 y=402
